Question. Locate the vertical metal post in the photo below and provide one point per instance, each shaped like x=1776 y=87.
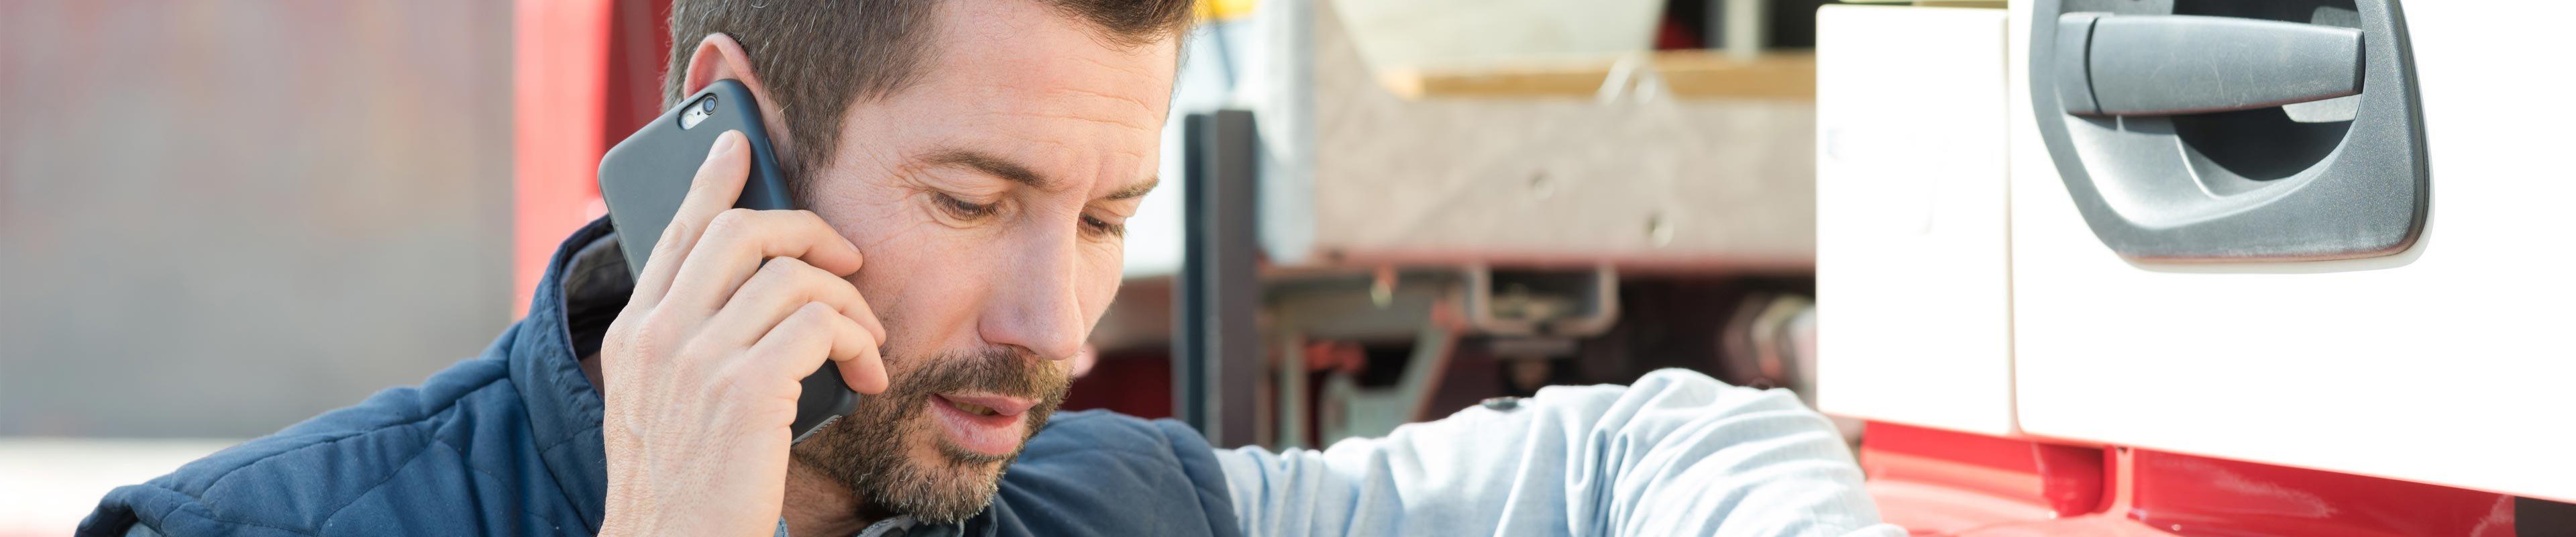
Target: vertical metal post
x=1215 y=350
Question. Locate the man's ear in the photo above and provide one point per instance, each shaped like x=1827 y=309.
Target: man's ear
x=719 y=57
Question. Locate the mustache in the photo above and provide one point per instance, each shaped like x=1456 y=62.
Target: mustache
x=1000 y=370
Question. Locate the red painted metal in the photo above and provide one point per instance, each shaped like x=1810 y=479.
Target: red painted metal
x=1940 y=482
x=2072 y=478
x=2065 y=479
x=2193 y=495
x=588 y=72
x=562 y=72
x=1935 y=482
x=1132 y=383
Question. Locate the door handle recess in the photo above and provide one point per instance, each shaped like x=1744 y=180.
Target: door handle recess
x=2166 y=123
x=2156 y=65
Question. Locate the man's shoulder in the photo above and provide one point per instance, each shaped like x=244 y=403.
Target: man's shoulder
x=432 y=445
x=1114 y=474
x=1090 y=441
x=1093 y=429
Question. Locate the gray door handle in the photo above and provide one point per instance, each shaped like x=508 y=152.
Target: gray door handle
x=2155 y=65
x=2165 y=121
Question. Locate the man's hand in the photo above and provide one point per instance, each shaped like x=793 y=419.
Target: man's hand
x=702 y=367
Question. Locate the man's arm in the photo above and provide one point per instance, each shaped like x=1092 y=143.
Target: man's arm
x=1676 y=454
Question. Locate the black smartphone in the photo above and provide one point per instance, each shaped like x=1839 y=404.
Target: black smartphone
x=644 y=178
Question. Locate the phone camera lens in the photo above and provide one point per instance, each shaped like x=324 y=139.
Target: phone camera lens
x=708 y=104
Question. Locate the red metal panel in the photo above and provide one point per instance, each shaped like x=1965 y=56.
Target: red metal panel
x=640 y=37
x=2193 y=495
x=1940 y=482
x=1132 y=383
x=2073 y=479
x=1936 y=482
x=589 y=72
x=562 y=75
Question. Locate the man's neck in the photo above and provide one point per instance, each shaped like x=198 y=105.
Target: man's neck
x=819 y=506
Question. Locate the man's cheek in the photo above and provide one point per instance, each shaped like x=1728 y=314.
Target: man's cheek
x=1098 y=288
x=918 y=297
x=892 y=233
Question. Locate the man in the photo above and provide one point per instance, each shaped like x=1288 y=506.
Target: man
x=967 y=166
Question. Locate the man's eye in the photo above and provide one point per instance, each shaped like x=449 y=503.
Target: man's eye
x=965 y=210
x=1103 y=227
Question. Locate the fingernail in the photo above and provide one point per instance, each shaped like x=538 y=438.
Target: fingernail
x=726 y=143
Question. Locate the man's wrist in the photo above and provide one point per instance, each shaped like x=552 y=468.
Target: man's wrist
x=624 y=515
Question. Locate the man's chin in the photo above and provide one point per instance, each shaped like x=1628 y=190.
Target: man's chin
x=903 y=452
x=946 y=483
x=926 y=475
x=961 y=458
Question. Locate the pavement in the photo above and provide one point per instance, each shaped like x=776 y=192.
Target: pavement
x=47 y=485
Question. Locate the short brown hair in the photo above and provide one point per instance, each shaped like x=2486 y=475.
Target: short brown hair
x=818 y=57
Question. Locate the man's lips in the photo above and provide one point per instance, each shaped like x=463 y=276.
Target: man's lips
x=998 y=404
x=982 y=423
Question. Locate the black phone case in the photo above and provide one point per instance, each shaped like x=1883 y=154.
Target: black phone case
x=644 y=178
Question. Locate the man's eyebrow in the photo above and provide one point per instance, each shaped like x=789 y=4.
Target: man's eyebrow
x=990 y=164
x=1137 y=190
x=1014 y=172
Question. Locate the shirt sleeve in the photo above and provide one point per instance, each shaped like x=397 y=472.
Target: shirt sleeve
x=1678 y=453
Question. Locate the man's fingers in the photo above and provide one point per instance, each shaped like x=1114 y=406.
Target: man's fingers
x=863 y=372
x=716 y=187
x=777 y=290
x=735 y=243
x=814 y=333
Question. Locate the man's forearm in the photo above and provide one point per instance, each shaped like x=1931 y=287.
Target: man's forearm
x=1676 y=454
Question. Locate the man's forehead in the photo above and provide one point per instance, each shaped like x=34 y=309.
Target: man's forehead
x=1019 y=91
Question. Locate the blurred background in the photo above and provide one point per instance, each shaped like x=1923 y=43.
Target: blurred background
x=237 y=212
x=227 y=216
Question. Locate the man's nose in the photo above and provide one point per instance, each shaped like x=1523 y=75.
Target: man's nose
x=1038 y=306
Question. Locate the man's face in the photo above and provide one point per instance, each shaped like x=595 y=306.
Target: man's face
x=989 y=201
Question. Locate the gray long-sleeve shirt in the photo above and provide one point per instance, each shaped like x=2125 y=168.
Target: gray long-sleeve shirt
x=1677 y=453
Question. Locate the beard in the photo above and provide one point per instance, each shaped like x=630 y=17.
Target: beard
x=872 y=450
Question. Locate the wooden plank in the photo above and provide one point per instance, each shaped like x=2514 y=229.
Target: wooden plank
x=1562 y=178
x=1693 y=74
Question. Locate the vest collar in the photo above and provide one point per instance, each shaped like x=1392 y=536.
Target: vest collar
x=564 y=410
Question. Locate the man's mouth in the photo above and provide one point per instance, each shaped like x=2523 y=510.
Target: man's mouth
x=981 y=422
